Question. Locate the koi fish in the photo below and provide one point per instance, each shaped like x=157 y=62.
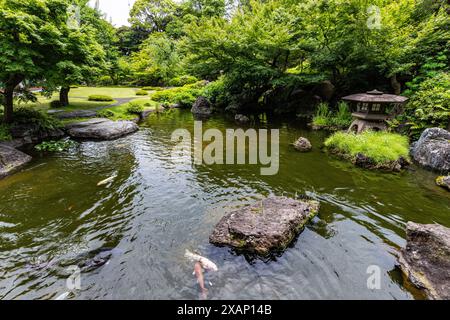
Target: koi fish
x=106 y=181
x=198 y=271
x=204 y=262
x=63 y=296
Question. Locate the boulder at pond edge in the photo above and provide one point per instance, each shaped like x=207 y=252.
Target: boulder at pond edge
x=426 y=259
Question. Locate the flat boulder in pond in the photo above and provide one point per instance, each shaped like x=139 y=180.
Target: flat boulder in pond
x=266 y=226
x=11 y=160
x=101 y=129
x=426 y=259
x=433 y=149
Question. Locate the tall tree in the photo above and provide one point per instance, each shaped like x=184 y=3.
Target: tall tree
x=29 y=38
x=82 y=56
x=153 y=15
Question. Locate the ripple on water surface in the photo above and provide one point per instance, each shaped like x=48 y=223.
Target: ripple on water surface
x=53 y=212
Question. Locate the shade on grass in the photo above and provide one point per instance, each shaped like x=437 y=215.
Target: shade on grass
x=381 y=147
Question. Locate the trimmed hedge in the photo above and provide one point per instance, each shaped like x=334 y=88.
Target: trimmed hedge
x=100 y=98
x=134 y=108
x=141 y=93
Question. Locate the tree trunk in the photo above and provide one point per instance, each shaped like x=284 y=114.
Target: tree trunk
x=9 y=101
x=64 y=96
x=396 y=85
x=10 y=85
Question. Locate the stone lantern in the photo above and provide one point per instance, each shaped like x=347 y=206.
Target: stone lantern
x=370 y=110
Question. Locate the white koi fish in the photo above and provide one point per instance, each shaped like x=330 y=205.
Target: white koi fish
x=106 y=181
x=63 y=296
x=205 y=262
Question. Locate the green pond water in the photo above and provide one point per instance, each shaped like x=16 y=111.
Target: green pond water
x=53 y=211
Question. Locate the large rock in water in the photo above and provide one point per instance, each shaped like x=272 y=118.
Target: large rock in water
x=426 y=259
x=11 y=160
x=101 y=129
x=268 y=225
x=433 y=149
x=201 y=107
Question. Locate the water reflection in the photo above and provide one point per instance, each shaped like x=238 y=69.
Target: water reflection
x=53 y=212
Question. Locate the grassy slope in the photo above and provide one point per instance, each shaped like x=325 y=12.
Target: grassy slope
x=380 y=146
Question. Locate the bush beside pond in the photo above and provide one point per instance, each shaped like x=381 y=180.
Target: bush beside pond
x=183 y=96
x=100 y=98
x=373 y=150
x=135 y=108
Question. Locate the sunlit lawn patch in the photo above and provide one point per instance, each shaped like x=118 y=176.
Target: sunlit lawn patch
x=380 y=148
x=115 y=92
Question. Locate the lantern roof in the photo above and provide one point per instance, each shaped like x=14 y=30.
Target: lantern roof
x=375 y=96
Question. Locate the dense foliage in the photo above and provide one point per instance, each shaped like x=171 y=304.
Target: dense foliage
x=255 y=53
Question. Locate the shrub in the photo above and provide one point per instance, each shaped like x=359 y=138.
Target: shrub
x=100 y=98
x=55 y=146
x=105 y=113
x=325 y=118
x=55 y=104
x=430 y=104
x=182 y=81
x=343 y=116
x=30 y=116
x=141 y=93
x=322 y=117
x=381 y=147
x=217 y=93
x=184 y=96
x=105 y=81
x=134 y=108
x=5 y=133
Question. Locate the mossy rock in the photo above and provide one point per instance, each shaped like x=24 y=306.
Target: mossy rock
x=444 y=182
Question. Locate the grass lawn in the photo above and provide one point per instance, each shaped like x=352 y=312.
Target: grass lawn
x=43 y=104
x=120 y=112
x=381 y=147
x=115 y=92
